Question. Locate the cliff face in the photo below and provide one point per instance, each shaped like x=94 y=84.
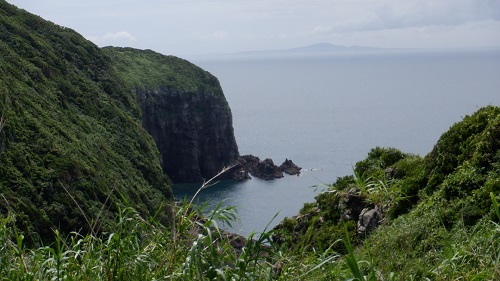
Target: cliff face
x=184 y=109
x=193 y=132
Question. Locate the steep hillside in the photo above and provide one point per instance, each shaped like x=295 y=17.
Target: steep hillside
x=183 y=108
x=431 y=217
x=72 y=148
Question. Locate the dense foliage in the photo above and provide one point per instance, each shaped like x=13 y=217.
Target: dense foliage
x=453 y=231
x=149 y=70
x=438 y=217
x=71 y=146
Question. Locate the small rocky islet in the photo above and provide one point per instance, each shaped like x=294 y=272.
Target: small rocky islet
x=247 y=165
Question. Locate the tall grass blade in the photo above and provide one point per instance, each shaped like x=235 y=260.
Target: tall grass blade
x=495 y=204
x=351 y=259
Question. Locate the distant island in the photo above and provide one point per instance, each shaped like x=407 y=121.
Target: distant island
x=310 y=50
x=322 y=49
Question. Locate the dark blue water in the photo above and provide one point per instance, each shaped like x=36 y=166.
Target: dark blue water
x=326 y=113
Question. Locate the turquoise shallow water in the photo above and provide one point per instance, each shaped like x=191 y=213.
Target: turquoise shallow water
x=326 y=113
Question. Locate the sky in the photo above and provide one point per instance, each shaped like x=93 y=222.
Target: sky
x=193 y=27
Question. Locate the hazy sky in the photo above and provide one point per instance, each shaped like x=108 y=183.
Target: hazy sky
x=187 y=27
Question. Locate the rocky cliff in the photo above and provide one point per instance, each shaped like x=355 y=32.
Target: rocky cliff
x=193 y=132
x=184 y=109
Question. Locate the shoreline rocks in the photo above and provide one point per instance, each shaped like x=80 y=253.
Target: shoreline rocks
x=247 y=165
x=290 y=168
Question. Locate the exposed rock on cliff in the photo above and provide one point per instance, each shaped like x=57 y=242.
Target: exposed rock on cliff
x=184 y=109
x=369 y=219
x=193 y=132
x=346 y=207
x=351 y=205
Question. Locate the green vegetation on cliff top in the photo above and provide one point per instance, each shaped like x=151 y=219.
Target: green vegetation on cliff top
x=149 y=70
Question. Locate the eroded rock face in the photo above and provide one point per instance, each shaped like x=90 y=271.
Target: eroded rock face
x=193 y=131
x=352 y=204
x=369 y=220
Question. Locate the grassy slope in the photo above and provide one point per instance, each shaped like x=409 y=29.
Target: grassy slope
x=453 y=231
x=69 y=124
x=439 y=220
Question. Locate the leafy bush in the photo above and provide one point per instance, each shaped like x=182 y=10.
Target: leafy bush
x=378 y=158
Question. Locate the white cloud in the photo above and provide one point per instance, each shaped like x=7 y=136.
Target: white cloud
x=118 y=36
x=320 y=29
x=474 y=34
x=219 y=35
x=112 y=38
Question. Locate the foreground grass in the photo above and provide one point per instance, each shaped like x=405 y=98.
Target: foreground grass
x=197 y=249
x=418 y=246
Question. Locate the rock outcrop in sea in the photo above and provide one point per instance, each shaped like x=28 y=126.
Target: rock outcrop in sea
x=247 y=165
x=290 y=168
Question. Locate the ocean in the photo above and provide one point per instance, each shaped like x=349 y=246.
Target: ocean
x=325 y=112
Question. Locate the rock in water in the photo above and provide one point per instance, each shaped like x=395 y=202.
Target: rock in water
x=267 y=170
x=290 y=168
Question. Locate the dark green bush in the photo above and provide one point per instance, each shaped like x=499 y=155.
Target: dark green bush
x=378 y=158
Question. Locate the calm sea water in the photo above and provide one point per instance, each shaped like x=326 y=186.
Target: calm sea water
x=326 y=113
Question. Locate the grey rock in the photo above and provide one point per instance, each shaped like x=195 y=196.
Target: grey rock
x=264 y=169
x=290 y=168
x=369 y=220
x=352 y=205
